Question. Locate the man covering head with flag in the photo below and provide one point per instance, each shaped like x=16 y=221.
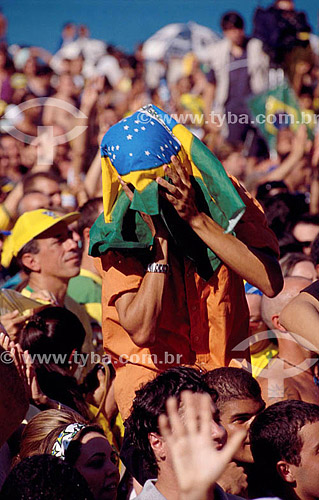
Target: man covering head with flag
x=171 y=264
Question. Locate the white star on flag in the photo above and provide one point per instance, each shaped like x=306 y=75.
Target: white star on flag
x=152 y=123
x=143 y=128
x=129 y=137
x=126 y=127
x=130 y=154
x=117 y=147
x=112 y=148
x=137 y=122
x=136 y=130
x=147 y=153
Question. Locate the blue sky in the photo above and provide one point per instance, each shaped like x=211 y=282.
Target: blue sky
x=123 y=22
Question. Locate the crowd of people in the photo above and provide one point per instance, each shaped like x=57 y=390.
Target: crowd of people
x=159 y=316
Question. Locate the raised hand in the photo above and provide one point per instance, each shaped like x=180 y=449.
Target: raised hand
x=154 y=222
x=181 y=193
x=24 y=365
x=13 y=323
x=198 y=464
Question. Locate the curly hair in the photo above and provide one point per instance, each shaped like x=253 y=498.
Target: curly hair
x=150 y=403
x=36 y=477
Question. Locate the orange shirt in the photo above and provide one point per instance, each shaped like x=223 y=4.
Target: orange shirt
x=201 y=322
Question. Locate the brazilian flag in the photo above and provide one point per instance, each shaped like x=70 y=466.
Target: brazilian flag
x=276 y=109
x=137 y=148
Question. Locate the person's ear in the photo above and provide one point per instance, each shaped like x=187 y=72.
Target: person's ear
x=31 y=261
x=157 y=444
x=277 y=324
x=285 y=471
x=86 y=237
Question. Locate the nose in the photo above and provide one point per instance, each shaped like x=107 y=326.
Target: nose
x=219 y=435
x=112 y=471
x=70 y=243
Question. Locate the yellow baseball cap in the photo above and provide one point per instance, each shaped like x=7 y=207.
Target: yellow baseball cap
x=32 y=224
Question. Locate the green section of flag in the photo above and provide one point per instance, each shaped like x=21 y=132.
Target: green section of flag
x=227 y=207
x=215 y=196
x=126 y=231
x=277 y=109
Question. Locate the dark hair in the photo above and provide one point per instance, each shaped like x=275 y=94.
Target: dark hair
x=231 y=20
x=274 y=435
x=232 y=383
x=150 y=403
x=89 y=213
x=306 y=90
x=31 y=247
x=54 y=330
x=315 y=251
x=45 y=477
x=307 y=219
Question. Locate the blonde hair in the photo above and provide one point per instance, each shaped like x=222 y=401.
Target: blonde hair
x=40 y=426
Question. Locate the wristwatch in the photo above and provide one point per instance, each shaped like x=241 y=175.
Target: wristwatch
x=155 y=267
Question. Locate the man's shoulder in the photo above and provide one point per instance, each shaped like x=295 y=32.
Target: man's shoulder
x=150 y=492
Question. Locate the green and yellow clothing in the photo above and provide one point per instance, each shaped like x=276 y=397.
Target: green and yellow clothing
x=86 y=289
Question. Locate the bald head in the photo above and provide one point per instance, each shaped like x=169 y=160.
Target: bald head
x=33 y=201
x=273 y=307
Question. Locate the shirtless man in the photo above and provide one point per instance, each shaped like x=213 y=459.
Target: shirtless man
x=292 y=359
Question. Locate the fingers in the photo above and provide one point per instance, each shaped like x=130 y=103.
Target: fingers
x=171 y=426
x=4 y=341
x=164 y=428
x=2 y=329
x=129 y=193
x=171 y=188
x=180 y=170
x=205 y=411
x=233 y=444
x=178 y=174
x=10 y=315
x=18 y=358
x=190 y=409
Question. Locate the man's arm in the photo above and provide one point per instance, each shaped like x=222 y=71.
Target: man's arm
x=139 y=311
x=256 y=266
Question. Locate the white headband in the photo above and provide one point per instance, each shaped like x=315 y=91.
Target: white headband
x=65 y=437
